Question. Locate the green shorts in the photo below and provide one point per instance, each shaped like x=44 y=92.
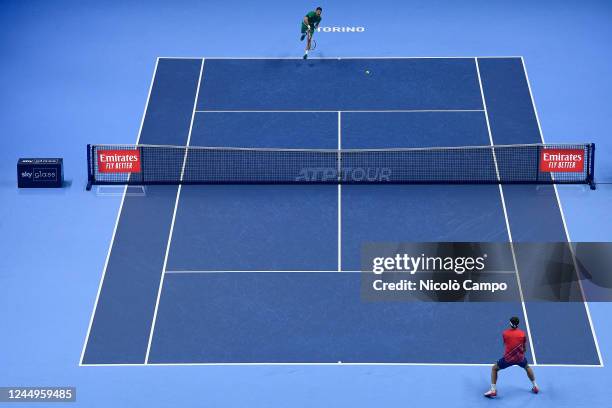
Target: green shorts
x=305 y=28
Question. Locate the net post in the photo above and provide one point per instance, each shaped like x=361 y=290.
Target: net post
x=591 y=175
x=89 y=169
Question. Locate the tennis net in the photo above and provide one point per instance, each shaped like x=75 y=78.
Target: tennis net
x=507 y=164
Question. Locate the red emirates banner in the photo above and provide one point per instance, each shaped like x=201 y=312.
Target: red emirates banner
x=562 y=160
x=119 y=161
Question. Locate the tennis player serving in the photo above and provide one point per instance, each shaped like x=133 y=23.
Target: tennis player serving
x=309 y=25
x=514 y=354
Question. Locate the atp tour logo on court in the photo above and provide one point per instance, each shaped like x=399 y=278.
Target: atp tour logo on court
x=119 y=161
x=346 y=29
x=561 y=160
x=352 y=174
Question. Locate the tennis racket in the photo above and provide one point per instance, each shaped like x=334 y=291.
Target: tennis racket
x=311 y=41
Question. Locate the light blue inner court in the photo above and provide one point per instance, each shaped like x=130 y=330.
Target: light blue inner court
x=79 y=72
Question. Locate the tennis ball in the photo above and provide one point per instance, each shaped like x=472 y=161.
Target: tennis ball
x=367 y=72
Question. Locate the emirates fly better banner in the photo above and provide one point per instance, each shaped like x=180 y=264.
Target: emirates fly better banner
x=119 y=161
x=562 y=160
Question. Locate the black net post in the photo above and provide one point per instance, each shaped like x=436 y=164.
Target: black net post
x=90 y=175
x=591 y=175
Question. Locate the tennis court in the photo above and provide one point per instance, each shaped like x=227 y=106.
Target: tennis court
x=269 y=274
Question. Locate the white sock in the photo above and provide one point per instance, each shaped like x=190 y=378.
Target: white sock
x=305 y=52
x=493 y=387
x=534 y=383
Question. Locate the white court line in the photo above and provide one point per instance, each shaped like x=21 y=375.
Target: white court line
x=258 y=271
x=344 y=111
x=503 y=201
x=471 y=57
x=319 y=271
x=567 y=235
x=178 y=195
x=95 y=308
x=293 y=364
x=339 y=193
x=332 y=364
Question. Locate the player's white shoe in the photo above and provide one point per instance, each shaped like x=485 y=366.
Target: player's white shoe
x=491 y=394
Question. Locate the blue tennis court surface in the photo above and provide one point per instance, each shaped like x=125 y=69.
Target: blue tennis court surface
x=269 y=274
x=238 y=296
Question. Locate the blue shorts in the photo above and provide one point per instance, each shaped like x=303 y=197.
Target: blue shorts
x=502 y=363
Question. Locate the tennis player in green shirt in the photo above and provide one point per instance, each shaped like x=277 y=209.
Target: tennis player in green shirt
x=310 y=23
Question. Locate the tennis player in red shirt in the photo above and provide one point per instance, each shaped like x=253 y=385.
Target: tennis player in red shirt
x=515 y=342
